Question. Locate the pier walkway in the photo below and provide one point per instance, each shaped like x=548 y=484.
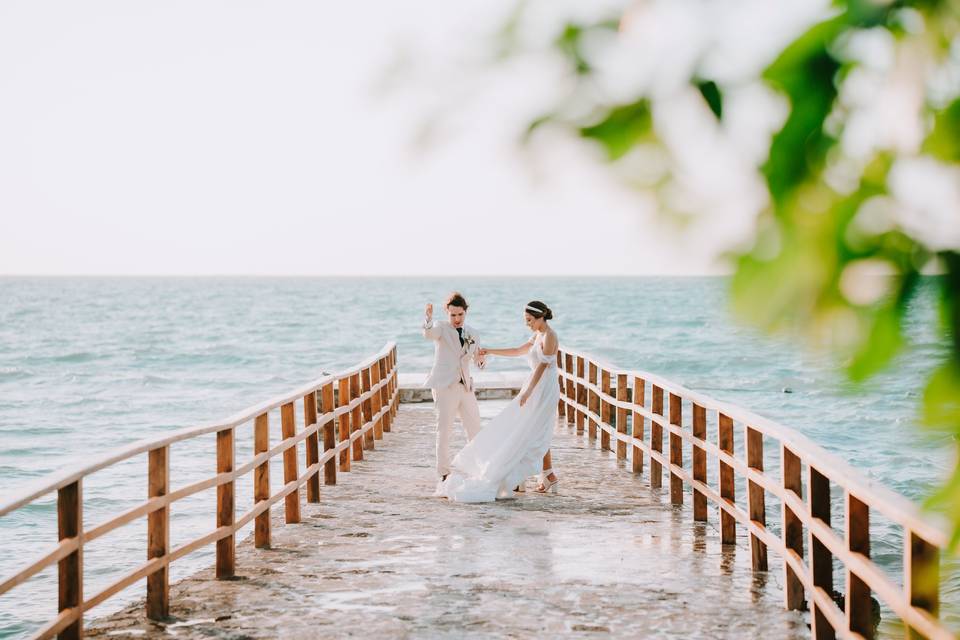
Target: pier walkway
x=378 y=556
x=678 y=516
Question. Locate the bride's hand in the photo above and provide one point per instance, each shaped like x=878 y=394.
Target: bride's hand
x=481 y=352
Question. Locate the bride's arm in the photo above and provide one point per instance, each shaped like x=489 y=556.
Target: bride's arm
x=510 y=353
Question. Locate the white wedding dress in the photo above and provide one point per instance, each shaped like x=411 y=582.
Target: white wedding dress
x=510 y=448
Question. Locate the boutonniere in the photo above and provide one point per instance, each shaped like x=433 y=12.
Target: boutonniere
x=468 y=340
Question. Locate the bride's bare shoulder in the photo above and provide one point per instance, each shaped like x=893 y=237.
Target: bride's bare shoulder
x=551 y=341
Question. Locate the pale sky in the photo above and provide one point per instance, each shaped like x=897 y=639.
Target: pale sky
x=279 y=138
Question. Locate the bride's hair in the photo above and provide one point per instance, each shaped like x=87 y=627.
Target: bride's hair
x=539 y=310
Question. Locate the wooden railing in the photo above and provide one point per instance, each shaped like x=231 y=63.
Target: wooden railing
x=362 y=409
x=618 y=404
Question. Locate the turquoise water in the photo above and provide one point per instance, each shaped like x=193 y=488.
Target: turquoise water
x=89 y=364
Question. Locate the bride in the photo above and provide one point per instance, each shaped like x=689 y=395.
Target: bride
x=511 y=447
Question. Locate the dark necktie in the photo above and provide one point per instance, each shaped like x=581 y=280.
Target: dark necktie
x=460 y=334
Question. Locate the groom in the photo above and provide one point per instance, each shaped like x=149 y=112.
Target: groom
x=455 y=344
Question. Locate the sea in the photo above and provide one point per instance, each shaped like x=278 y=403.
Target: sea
x=89 y=364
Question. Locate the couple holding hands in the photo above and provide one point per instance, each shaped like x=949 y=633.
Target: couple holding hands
x=515 y=444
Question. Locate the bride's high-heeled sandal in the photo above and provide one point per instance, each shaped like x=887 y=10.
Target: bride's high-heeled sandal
x=546 y=485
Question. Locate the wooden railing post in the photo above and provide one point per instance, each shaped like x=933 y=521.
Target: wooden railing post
x=312 y=445
x=384 y=394
x=70 y=569
x=581 y=395
x=621 y=415
x=756 y=499
x=656 y=438
x=261 y=481
x=821 y=560
x=676 y=450
x=571 y=388
x=792 y=529
x=329 y=439
x=158 y=534
x=288 y=429
x=604 y=409
x=594 y=403
x=637 y=430
x=369 y=439
x=728 y=523
x=393 y=384
x=356 y=420
x=859 y=608
x=375 y=405
x=921 y=575
x=343 y=422
x=561 y=405
x=226 y=546
x=699 y=462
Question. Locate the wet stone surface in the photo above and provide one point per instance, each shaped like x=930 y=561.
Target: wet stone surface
x=380 y=557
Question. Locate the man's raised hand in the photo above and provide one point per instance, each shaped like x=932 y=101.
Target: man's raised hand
x=428 y=312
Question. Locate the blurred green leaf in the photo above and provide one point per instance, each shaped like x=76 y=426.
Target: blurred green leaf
x=621 y=128
x=941 y=398
x=883 y=341
x=947 y=500
x=805 y=73
x=568 y=44
x=711 y=94
x=943 y=142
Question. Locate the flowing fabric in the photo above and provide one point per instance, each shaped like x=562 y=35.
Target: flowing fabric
x=510 y=448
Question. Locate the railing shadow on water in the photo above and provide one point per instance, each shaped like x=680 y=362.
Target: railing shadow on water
x=616 y=405
x=347 y=412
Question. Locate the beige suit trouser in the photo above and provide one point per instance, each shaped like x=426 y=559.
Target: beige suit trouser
x=451 y=401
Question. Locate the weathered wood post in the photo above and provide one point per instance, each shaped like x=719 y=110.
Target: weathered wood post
x=699 y=462
x=288 y=427
x=158 y=534
x=593 y=401
x=561 y=405
x=637 y=428
x=356 y=420
x=312 y=445
x=369 y=441
x=921 y=575
x=859 y=608
x=70 y=568
x=375 y=404
x=756 y=499
x=343 y=422
x=656 y=437
x=571 y=388
x=393 y=382
x=604 y=409
x=329 y=439
x=621 y=415
x=581 y=396
x=728 y=524
x=792 y=530
x=385 y=394
x=821 y=560
x=226 y=546
x=676 y=450
x=261 y=481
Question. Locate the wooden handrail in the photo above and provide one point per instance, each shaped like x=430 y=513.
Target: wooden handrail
x=805 y=526
x=367 y=414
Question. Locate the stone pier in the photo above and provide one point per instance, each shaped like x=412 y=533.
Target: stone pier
x=380 y=557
